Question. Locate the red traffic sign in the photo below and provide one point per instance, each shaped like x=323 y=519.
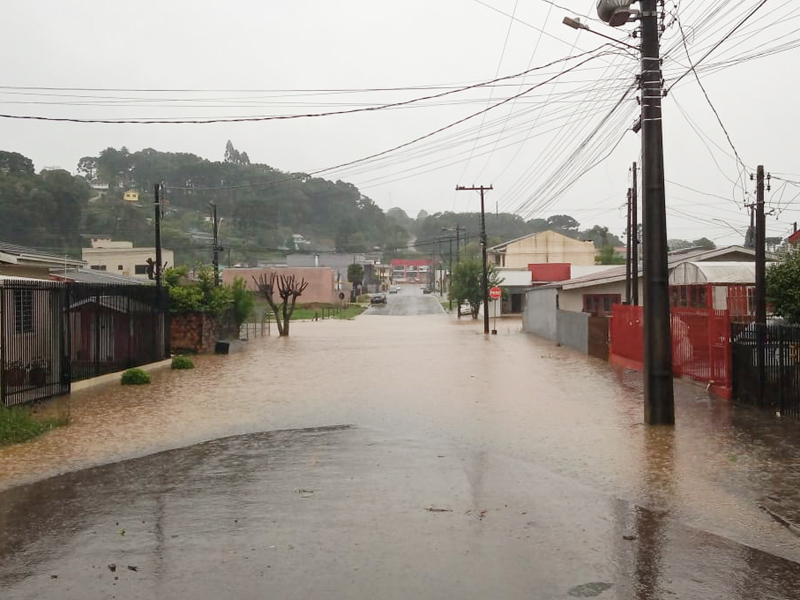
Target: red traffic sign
x=495 y=293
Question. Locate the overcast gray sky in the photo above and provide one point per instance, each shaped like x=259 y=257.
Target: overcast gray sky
x=560 y=147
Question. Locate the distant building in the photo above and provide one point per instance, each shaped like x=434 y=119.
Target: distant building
x=320 y=281
x=411 y=271
x=543 y=247
x=122 y=258
x=131 y=196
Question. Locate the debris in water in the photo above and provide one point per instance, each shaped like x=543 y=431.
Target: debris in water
x=589 y=590
x=112 y=567
x=629 y=538
x=433 y=509
x=133 y=568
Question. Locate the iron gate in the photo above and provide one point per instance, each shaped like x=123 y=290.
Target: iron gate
x=53 y=333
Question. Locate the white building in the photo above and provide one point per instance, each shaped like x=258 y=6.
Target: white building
x=122 y=258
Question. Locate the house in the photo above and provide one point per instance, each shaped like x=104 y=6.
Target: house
x=542 y=247
x=596 y=293
x=122 y=258
x=561 y=311
x=19 y=261
x=320 y=281
x=375 y=273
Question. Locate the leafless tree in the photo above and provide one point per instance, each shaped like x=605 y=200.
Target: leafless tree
x=288 y=290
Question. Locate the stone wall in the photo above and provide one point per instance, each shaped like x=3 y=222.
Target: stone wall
x=197 y=332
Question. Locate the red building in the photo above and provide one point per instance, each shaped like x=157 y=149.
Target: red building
x=411 y=271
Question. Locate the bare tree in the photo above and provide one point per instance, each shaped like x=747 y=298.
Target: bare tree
x=289 y=289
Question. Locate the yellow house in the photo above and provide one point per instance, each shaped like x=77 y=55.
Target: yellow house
x=542 y=247
x=131 y=196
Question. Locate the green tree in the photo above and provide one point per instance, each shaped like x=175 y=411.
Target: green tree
x=243 y=300
x=466 y=286
x=704 y=242
x=355 y=273
x=783 y=286
x=609 y=256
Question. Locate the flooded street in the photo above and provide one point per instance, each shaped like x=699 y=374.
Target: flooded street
x=400 y=457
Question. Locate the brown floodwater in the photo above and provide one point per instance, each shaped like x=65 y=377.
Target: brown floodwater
x=430 y=379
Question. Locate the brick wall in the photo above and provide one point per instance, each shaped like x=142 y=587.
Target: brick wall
x=197 y=332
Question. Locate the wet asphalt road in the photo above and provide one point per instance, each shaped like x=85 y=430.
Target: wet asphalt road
x=409 y=301
x=399 y=458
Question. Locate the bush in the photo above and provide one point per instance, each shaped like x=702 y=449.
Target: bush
x=182 y=362
x=135 y=377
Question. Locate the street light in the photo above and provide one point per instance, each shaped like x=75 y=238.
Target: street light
x=578 y=24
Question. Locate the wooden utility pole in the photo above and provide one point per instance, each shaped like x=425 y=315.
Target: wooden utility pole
x=215 y=258
x=761 y=281
x=628 y=256
x=659 y=402
x=635 y=243
x=158 y=212
x=485 y=279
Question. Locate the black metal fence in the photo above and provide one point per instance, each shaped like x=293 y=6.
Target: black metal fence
x=772 y=381
x=53 y=333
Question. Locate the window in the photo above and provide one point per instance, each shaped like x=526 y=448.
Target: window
x=599 y=305
x=692 y=296
x=23 y=311
x=99 y=267
x=141 y=269
x=119 y=267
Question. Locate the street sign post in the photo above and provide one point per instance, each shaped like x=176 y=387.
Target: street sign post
x=495 y=293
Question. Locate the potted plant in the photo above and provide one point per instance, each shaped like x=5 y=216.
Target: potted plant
x=38 y=370
x=15 y=373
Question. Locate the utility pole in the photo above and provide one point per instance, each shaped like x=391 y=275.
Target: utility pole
x=635 y=226
x=157 y=206
x=761 y=281
x=215 y=260
x=659 y=402
x=482 y=190
x=628 y=256
x=450 y=271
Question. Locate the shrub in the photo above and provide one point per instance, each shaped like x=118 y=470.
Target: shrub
x=135 y=377
x=182 y=362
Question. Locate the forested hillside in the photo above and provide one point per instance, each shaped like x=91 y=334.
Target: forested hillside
x=264 y=212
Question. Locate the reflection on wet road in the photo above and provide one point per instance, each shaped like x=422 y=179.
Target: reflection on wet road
x=457 y=467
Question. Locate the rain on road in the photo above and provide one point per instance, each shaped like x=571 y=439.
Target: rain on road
x=399 y=457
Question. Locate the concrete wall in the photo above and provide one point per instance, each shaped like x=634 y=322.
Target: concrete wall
x=539 y=317
x=548 y=247
x=573 y=330
x=320 y=279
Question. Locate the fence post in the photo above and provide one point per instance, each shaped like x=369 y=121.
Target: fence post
x=783 y=347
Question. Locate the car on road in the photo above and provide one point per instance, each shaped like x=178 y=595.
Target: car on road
x=378 y=299
x=427 y=290
x=394 y=289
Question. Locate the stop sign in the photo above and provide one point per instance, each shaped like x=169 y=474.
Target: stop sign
x=495 y=293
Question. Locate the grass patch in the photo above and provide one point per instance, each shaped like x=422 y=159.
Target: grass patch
x=307 y=312
x=18 y=425
x=182 y=362
x=135 y=377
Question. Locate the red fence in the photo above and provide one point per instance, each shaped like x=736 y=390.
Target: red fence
x=700 y=343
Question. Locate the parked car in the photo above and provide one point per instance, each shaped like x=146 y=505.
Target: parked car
x=378 y=299
x=394 y=289
x=427 y=290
